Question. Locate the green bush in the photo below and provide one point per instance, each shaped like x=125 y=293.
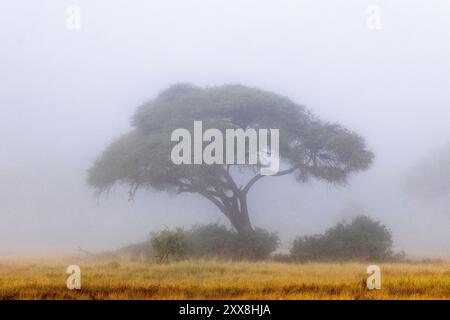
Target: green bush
x=257 y=245
x=169 y=244
x=214 y=240
x=211 y=240
x=309 y=248
x=362 y=239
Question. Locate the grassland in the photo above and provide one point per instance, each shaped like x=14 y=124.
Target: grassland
x=46 y=279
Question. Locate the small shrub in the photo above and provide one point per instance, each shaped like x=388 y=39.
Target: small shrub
x=169 y=244
x=309 y=248
x=214 y=240
x=211 y=240
x=363 y=238
x=257 y=245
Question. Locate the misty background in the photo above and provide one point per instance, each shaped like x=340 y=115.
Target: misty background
x=66 y=94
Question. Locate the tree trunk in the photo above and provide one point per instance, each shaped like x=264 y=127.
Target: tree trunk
x=234 y=207
x=239 y=216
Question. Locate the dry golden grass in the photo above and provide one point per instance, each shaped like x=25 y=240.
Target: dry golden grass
x=46 y=279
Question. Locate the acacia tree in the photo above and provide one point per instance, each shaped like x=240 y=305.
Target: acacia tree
x=308 y=147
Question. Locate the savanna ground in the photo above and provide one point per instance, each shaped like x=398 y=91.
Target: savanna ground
x=202 y=279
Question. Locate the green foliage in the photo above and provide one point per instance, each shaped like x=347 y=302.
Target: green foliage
x=142 y=157
x=256 y=245
x=203 y=241
x=169 y=244
x=363 y=238
x=214 y=240
x=309 y=248
x=211 y=240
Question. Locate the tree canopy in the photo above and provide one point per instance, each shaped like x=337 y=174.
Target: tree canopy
x=308 y=147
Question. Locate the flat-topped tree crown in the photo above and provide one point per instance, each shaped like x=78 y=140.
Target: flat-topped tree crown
x=308 y=147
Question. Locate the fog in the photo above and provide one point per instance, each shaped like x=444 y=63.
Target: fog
x=66 y=94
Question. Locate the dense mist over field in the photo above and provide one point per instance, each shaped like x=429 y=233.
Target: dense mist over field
x=66 y=94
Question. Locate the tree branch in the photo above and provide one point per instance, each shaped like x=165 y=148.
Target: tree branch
x=259 y=176
x=231 y=181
